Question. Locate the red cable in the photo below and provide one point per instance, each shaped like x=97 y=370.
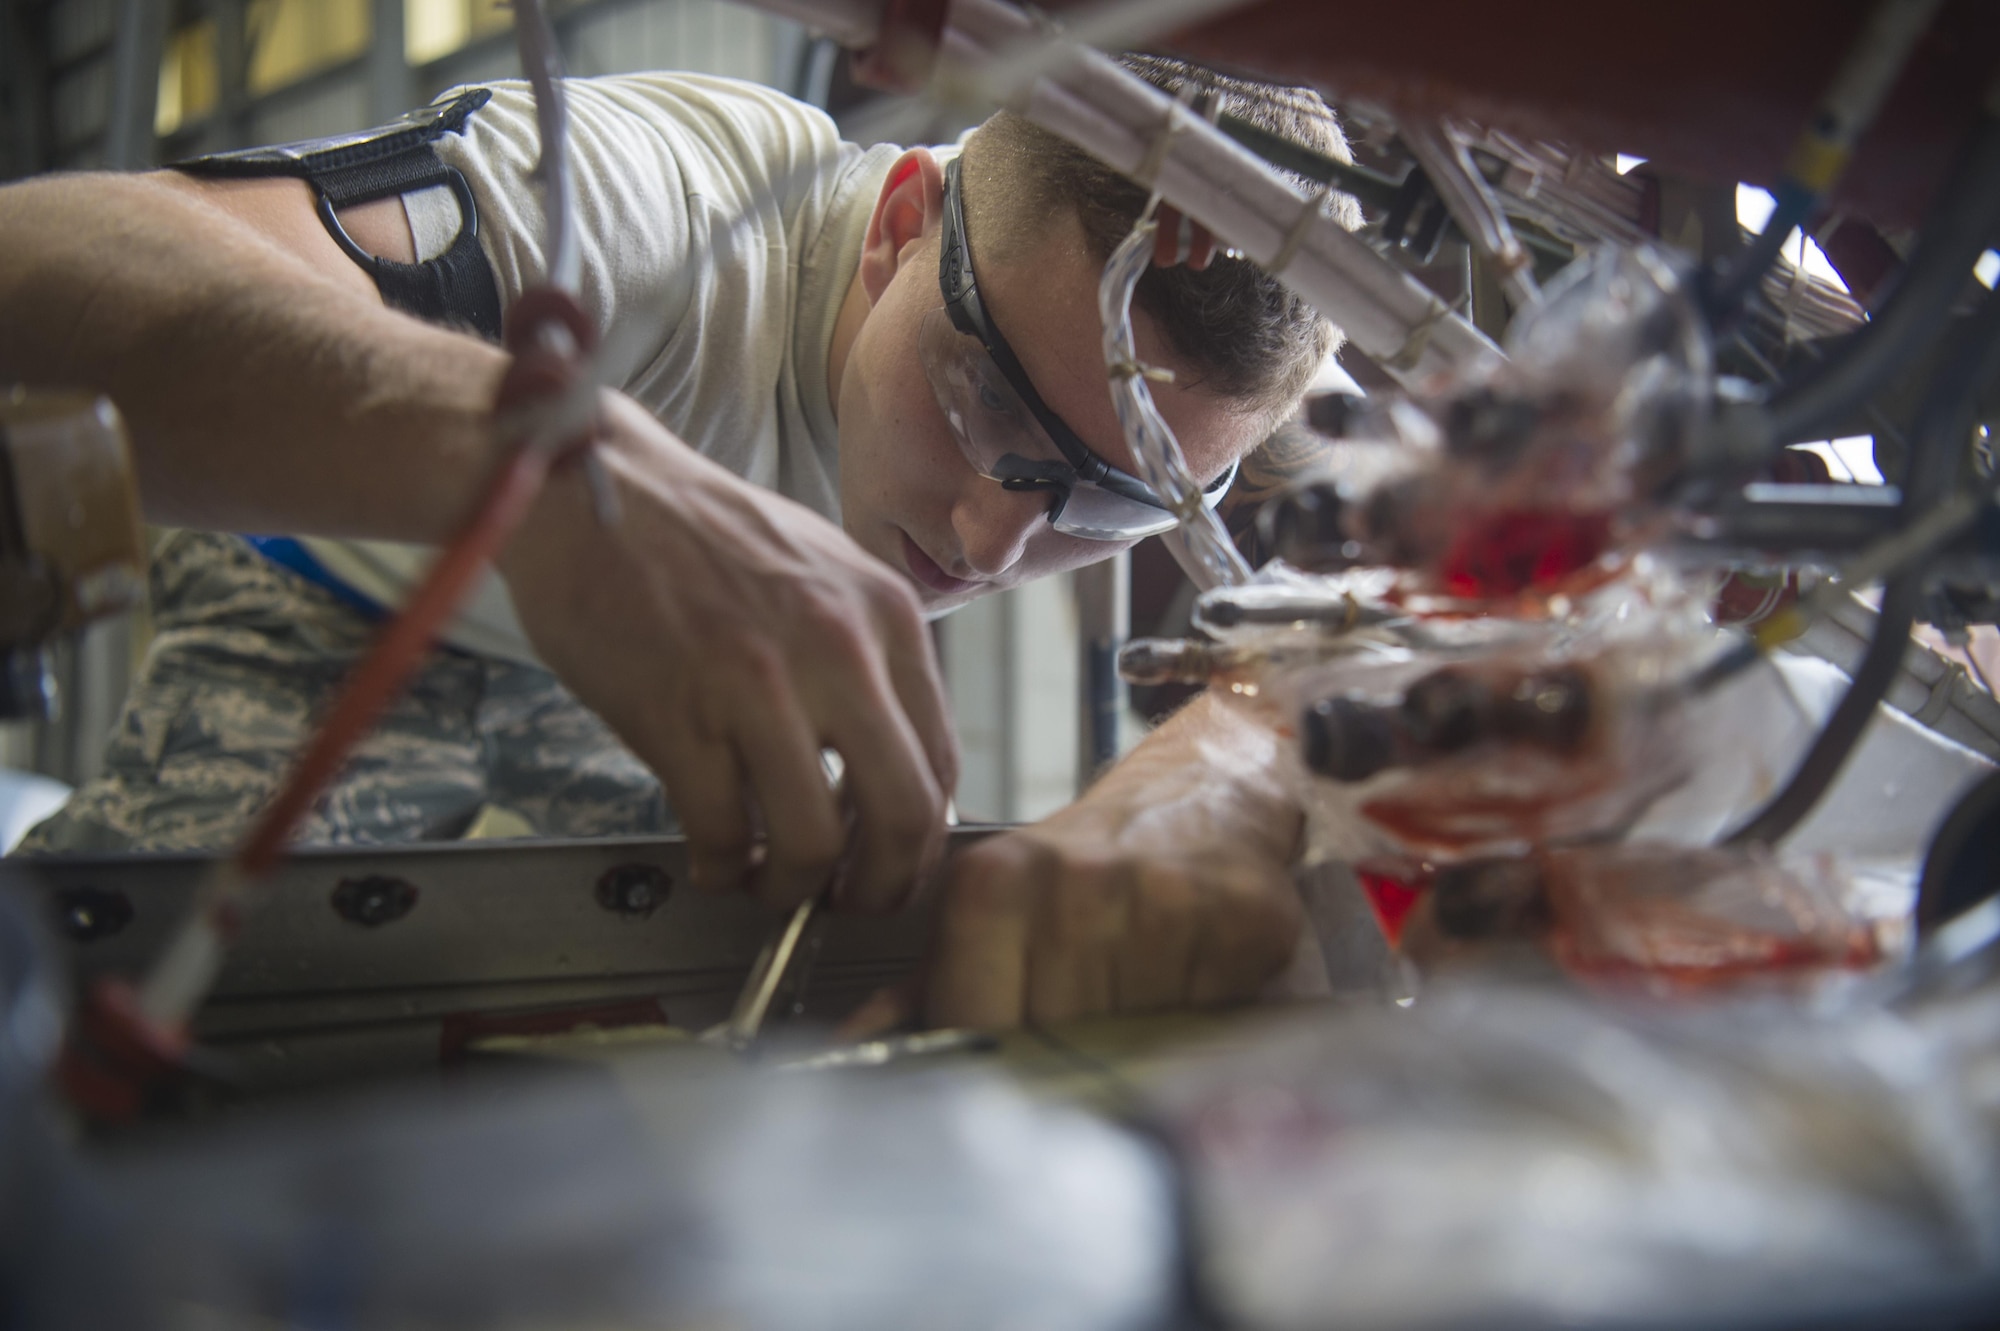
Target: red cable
x=537 y=372
x=397 y=653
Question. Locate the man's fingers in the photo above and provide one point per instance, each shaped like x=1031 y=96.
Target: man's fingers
x=977 y=974
x=1050 y=930
x=1245 y=936
x=704 y=784
x=898 y=806
x=803 y=827
x=1073 y=954
x=1157 y=945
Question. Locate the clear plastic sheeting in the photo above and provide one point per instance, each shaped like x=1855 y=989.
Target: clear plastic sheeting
x=1162 y=464
x=1494 y=684
x=1530 y=478
x=1502 y=1154
x=1446 y=738
x=665 y=1198
x=1671 y=920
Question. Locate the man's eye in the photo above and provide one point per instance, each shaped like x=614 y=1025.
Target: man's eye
x=992 y=400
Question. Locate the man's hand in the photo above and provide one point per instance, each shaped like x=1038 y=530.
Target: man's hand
x=728 y=634
x=1060 y=921
x=1168 y=884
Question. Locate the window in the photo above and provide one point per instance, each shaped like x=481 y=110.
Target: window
x=433 y=29
x=189 y=77
x=290 y=39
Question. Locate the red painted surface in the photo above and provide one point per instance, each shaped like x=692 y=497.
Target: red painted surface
x=1714 y=89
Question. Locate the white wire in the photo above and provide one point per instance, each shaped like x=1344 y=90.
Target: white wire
x=1117 y=117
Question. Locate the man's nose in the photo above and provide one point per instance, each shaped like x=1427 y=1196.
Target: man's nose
x=993 y=524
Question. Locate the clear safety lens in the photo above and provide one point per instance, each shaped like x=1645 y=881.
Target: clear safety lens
x=1098 y=514
x=985 y=412
x=1002 y=439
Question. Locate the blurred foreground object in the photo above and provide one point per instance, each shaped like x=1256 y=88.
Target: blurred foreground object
x=71 y=547
x=1506 y=1154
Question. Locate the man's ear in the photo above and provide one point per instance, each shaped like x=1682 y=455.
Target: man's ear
x=909 y=207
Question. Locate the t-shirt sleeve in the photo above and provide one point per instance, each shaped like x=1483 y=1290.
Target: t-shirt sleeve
x=669 y=169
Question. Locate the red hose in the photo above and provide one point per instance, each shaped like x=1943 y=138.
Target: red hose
x=537 y=371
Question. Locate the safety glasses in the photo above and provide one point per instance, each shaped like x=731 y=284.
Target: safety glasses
x=1008 y=434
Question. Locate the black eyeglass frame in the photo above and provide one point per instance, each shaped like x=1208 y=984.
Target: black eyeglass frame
x=968 y=315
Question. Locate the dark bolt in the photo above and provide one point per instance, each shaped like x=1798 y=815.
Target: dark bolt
x=87 y=914
x=1348 y=740
x=1304 y=527
x=633 y=890
x=1551 y=709
x=373 y=901
x=1445 y=711
x=1489 y=899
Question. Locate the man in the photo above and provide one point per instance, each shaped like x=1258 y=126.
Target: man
x=806 y=352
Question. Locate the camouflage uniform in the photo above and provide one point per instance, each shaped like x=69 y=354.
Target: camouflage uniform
x=246 y=655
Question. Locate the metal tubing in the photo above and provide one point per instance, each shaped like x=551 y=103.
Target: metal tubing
x=1135 y=128
x=1940 y=439
x=1874 y=61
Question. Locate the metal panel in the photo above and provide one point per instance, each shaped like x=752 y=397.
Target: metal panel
x=482 y=913
x=482 y=928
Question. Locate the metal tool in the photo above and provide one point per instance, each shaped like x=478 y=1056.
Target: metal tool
x=753 y=1004
x=893 y=1049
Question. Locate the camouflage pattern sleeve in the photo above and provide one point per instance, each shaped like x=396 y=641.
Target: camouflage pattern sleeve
x=1292 y=451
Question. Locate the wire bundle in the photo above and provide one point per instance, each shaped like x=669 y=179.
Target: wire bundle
x=1162 y=464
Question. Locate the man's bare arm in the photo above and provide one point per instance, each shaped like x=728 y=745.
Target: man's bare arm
x=266 y=385
x=724 y=632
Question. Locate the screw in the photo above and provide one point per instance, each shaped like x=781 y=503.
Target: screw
x=373 y=901
x=87 y=914
x=633 y=890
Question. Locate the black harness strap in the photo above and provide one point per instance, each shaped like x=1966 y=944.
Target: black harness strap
x=455 y=288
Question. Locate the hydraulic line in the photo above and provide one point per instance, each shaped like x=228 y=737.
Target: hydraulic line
x=1820 y=156
x=1965 y=221
x=1138 y=130
x=1940 y=441
x=1843 y=730
x=1472 y=205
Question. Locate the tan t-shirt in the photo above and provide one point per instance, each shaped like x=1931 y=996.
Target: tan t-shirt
x=720 y=225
